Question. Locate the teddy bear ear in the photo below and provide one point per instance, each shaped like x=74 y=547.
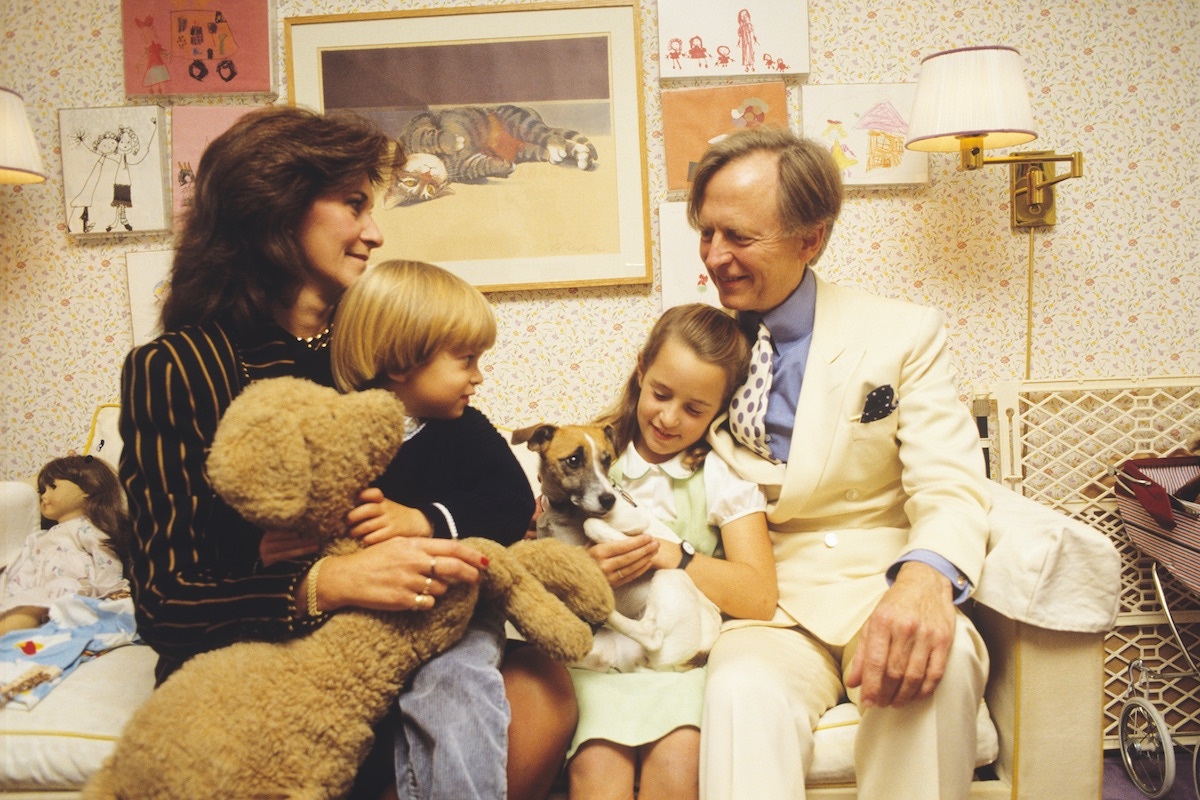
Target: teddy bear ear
x=259 y=462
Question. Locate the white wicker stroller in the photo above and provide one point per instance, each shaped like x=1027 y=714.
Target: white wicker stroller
x=1157 y=501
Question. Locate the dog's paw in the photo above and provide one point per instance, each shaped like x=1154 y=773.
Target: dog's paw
x=599 y=530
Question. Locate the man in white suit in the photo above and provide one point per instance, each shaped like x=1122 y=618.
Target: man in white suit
x=878 y=502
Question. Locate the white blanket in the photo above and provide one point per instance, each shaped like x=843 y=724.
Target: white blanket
x=1047 y=569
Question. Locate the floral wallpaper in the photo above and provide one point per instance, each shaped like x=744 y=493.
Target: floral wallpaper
x=1114 y=284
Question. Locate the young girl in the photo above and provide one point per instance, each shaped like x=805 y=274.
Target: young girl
x=419 y=331
x=82 y=554
x=642 y=728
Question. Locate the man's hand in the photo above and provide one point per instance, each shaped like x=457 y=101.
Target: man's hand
x=904 y=644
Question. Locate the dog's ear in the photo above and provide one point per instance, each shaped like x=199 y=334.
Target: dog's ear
x=611 y=434
x=538 y=436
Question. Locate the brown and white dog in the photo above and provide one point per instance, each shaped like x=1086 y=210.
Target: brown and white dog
x=662 y=621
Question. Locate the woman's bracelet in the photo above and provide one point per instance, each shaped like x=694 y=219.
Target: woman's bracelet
x=313 y=609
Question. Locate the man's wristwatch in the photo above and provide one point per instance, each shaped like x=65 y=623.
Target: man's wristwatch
x=688 y=552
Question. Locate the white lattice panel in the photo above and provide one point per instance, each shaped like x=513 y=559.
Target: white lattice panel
x=1054 y=441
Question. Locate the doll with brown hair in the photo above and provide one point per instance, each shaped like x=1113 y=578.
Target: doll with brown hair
x=83 y=553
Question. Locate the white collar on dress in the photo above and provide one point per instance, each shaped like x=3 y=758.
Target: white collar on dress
x=636 y=466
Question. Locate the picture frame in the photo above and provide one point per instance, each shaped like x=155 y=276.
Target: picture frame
x=865 y=125
x=192 y=128
x=114 y=170
x=730 y=39
x=147 y=274
x=177 y=49
x=684 y=276
x=576 y=66
x=695 y=117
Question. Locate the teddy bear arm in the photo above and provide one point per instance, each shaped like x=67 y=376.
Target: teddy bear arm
x=570 y=574
x=540 y=616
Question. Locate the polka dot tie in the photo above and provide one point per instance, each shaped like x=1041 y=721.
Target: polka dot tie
x=748 y=407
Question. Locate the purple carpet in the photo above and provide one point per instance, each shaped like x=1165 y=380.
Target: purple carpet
x=1117 y=785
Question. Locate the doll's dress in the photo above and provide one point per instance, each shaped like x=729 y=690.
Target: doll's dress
x=635 y=708
x=73 y=557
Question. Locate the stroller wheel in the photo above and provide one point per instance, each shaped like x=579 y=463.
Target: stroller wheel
x=1146 y=748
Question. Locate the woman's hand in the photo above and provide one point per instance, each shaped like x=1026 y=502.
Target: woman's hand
x=622 y=561
x=397 y=574
x=376 y=519
x=285 y=546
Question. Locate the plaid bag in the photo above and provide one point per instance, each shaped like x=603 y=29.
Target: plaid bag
x=1157 y=501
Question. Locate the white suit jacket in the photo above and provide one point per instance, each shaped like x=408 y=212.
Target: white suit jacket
x=854 y=496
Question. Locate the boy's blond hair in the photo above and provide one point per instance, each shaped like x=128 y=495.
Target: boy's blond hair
x=400 y=314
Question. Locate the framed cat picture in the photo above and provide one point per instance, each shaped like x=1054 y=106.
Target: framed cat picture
x=523 y=131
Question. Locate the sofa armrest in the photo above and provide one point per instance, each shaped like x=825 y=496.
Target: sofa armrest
x=20 y=516
x=1046 y=694
x=1047 y=569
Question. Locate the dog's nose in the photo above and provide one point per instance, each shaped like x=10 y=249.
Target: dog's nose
x=607 y=501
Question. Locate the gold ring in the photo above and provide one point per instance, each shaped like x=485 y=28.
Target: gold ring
x=428 y=583
x=620 y=574
x=433 y=567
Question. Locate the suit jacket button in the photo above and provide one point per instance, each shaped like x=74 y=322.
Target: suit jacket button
x=852 y=494
x=831 y=540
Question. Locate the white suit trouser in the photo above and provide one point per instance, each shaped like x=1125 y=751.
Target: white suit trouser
x=767 y=687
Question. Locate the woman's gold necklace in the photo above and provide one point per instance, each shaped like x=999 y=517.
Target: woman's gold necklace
x=317 y=342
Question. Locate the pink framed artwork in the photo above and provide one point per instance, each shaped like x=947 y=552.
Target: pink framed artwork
x=192 y=128
x=198 y=48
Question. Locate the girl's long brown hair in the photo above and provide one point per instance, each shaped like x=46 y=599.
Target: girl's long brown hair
x=713 y=336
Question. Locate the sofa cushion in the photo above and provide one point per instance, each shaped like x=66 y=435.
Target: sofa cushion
x=64 y=739
x=833 y=744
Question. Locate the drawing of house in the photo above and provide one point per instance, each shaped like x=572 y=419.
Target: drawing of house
x=886 y=130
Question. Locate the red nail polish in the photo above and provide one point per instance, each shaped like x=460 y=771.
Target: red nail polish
x=485 y=561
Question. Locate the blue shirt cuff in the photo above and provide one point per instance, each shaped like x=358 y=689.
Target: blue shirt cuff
x=959 y=583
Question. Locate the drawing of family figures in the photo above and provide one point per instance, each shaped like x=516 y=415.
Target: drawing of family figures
x=118 y=151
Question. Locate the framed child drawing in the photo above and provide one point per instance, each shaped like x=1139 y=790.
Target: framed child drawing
x=732 y=38
x=864 y=125
x=192 y=128
x=198 y=48
x=114 y=170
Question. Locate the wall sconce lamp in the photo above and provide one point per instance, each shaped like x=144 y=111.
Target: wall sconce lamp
x=19 y=158
x=972 y=99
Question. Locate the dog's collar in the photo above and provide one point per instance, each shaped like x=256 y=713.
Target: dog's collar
x=565 y=506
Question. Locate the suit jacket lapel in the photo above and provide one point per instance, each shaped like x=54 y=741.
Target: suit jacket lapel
x=832 y=357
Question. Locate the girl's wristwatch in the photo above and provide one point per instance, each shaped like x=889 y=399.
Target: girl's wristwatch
x=688 y=552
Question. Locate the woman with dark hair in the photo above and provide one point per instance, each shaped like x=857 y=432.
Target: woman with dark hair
x=280 y=226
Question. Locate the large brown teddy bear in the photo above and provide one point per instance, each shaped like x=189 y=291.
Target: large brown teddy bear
x=294 y=719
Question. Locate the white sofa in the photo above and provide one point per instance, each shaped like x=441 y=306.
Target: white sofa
x=1047 y=595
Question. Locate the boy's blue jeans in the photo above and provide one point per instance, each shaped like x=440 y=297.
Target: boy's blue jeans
x=452 y=733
